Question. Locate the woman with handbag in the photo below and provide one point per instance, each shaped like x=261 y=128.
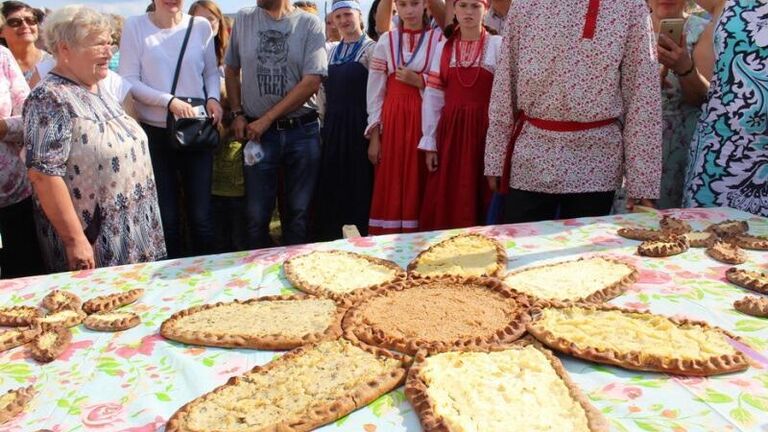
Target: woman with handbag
x=169 y=57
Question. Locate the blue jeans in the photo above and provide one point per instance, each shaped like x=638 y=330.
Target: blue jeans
x=195 y=170
x=297 y=153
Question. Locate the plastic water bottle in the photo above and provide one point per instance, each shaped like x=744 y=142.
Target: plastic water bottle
x=253 y=153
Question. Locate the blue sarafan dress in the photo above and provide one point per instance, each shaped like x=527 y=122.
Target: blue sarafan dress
x=346 y=176
x=729 y=151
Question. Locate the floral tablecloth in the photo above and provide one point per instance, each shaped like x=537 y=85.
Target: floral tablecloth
x=135 y=380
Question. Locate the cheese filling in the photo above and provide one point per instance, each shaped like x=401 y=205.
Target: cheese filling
x=340 y=272
x=59 y=316
x=462 y=255
x=47 y=340
x=569 y=280
x=287 y=318
x=624 y=332
x=109 y=317
x=326 y=373
x=7 y=399
x=489 y=392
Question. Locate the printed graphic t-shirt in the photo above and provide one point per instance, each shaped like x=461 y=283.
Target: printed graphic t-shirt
x=274 y=56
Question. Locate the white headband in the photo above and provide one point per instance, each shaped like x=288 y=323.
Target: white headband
x=345 y=4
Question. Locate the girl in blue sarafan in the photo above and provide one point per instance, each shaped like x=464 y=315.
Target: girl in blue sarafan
x=729 y=154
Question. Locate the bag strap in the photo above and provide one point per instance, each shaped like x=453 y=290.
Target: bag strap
x=181 y=55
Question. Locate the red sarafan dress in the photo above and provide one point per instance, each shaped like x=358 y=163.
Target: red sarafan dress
x=396 y=107
x=454 y=123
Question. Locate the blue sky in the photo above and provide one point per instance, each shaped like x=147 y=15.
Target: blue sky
x=135 y=7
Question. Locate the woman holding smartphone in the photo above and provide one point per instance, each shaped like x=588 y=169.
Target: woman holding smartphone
x=455 y=120
x=398 y=71
x=150 y=47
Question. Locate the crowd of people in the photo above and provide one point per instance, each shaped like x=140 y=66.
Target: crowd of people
x=426 y=115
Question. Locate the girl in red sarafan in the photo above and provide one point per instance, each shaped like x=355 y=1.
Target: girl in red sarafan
x=455 y=120
x=398 y=71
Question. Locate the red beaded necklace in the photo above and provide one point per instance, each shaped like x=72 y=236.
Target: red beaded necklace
x=476 y=60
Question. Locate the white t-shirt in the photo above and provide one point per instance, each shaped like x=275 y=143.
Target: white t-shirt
x=113 y=85
x=148 y=57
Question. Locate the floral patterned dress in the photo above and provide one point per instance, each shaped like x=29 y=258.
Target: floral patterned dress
x=729 y=152
x=101 y=154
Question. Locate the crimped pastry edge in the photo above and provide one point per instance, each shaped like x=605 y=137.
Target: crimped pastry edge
x=92 y=322
x=641 y=234
x=416 y=388
x=705 y=243
x=356 y=329
x=604 y=294
x=319 y=414
x=668 y=246
x=24 y=335
x=740 y=277
x=742 y=227
x=751 y=242
x=169 y=330
x=501 y=256
x=23 y=396
x=737 y=256
x=636 y=360
x=113 y=301
x=674 y=225
x=47 y=355
x=19 y=321
x=355 y=295
x=73 y=301
x=69 y=322
x=752 y=305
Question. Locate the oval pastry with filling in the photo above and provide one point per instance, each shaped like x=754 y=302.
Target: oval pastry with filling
x=439 y=314
x=462 y=255
x=637 y=340
x=340 y=275
x=112 y=321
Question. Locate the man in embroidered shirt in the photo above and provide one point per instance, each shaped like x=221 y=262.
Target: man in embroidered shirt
x=280 y=51
x=576 y=92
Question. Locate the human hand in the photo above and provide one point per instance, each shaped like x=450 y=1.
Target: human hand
x=493 y=183
x=214 y=110
x=431 y=158
x=409 y=77
x=374 y=148
x=80 y=255
x=674 y=56
x=181 y=109
x=644 y=202
x=239 y=125
x=256 y=129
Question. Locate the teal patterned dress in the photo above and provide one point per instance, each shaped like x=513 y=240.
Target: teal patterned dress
x=729 y=151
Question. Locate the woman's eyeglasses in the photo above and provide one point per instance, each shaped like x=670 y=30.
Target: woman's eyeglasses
x=16 y=22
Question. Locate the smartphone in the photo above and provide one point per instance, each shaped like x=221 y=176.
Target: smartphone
x=673 y=28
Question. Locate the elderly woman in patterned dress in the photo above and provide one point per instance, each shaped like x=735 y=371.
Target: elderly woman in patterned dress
x=96 y=203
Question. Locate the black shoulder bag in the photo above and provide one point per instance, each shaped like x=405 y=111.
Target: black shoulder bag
x=196 y=133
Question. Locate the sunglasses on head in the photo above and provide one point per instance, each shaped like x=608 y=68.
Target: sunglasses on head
x=16 y=22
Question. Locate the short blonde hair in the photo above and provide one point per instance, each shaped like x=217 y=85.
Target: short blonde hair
x=71 y=25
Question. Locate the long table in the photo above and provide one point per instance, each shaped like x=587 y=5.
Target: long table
x=135 y=380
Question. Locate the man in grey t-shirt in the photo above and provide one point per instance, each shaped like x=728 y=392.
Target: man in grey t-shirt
x=274 y=65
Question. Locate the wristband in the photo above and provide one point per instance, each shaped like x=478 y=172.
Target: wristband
x=688 y=72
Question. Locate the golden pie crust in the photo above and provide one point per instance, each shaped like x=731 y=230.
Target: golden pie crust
x=14 y=402
x=566 y=395
x=727 y=252
x=574 y=281
x=49 y=344
x=340 y=275
x=18 y=316
x=751 y=280
x=642 y=234
x=439 y=314
x=112 y=321
x=667 y=355
x=304 y=389
x=752 y=305
x=269 y=323
x=57 y=300
x=673 y=225
x=111 y=302
x=665 y=247
x=701 y=239
x=62 y=318
x=461 y=255
x=752 y=242
x=12 y=338
x=729 y=228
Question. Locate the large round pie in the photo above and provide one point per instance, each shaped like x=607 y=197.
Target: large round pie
x=439 y=314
